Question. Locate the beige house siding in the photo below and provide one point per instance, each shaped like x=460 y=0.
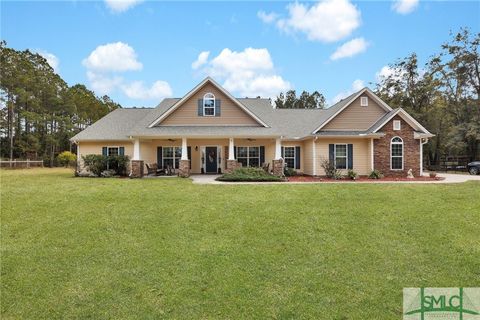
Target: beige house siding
x=356 y=117
x=361 y=154
x=230 y=114
x=308 y=157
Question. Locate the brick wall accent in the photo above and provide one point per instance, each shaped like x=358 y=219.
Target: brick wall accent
x=184 y=168
x=277 y=167
x=232 y=165
x=411 y=149
x=136 y=169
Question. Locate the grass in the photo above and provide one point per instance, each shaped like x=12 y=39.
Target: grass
x=165 y=248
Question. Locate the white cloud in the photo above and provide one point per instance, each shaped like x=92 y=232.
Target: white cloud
x=104 y=71
x=350 y=48
x=137 y=90
x=267 y=17
x=357 y=85
x=201 y=60
x=326 y=21
x=248 y=73
x=119 y=6
x=116 y=56
x=405 y=6
x=52 y=60
x=384 y=73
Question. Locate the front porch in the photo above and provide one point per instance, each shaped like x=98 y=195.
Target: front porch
x=193 y=155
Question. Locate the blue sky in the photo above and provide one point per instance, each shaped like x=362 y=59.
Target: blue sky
x=140 y=51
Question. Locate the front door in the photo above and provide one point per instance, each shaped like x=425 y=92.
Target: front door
x=211 y=161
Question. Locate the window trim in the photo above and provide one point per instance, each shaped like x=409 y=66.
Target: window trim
x=399 y=123
x=402 y=156
x=364 y=101
x=248 y=155
x=294 y=156
x=111 y=147
x=212 y=98
x=174 y=158
x=335 y=155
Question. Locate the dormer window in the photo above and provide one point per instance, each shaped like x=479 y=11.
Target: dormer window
x=364 y=101
x=209 y=104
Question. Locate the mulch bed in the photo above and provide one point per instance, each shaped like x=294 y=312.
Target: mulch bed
x=360 y=179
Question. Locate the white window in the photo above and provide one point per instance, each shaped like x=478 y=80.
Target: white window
x=364 y=101
x=248 y=156
x=289 y=157
x=396 y=124
x=209 y=104
x=171 y=157
x=112 y=151
x=341 y=158
x=396 y=154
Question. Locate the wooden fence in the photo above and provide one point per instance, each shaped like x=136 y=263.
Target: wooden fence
x=21 y=164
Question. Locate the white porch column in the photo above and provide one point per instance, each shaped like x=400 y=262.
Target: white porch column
x=184 y=149
x=278 y=149
x=231 y=150
x=372 y=163
x=136 y=150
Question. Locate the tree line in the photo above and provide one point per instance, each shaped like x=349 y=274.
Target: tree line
x=39 y=112
x=443 y=94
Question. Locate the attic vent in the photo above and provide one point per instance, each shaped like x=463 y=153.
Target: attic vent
x=364 y=101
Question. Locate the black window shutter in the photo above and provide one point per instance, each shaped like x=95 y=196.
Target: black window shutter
x=121 y=151
x=235 y=152
x=262 y=155
x=189 y=153
x=331 y=152
x=200 y=107
x=218 y=107
x=282 y=151
x=297 y=157
x=350 y=156
x=104 y=151
x=159 y=157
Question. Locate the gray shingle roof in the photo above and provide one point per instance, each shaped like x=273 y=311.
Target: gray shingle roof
x=288 y=123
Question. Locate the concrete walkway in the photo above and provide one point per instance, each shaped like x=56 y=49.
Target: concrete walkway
x=449 y=178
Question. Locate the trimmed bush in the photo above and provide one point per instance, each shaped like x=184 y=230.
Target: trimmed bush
x=330 y=169
x=289 y=172
x=352 y=174
x=248 y=174
x=375 y=174
x=97 y=164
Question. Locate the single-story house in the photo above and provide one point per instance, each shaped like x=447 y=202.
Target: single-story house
x=210 y=131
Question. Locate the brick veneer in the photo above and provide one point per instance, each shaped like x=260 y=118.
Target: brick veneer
x=411 y=149
x=277 y=167
x=232 y=165
x=184 y=168
x=136 y=169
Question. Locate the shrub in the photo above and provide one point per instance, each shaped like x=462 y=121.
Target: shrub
x=289 y=172
x=330 y=169
x=248 y=174
x=352 y=174
x=432 y=174
x=375 y=174
x=108 y=173
x=66 y=158
x=95 y=163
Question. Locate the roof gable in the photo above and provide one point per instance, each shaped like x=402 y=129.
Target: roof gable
x=239 y=114
x=340 y=106
x=404 y=115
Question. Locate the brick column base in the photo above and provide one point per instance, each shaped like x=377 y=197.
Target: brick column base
x=232 y=165
x=184 y=168
x=136 y=169
x=277 y=167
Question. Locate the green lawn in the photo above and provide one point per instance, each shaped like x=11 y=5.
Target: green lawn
x=165 y=248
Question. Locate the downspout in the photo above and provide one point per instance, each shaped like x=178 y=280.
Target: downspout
x=314 y=153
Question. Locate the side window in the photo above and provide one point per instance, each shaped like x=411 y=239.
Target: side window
x=396 y=125
x=289 y=156
x=396 y=153
x=341 y=156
